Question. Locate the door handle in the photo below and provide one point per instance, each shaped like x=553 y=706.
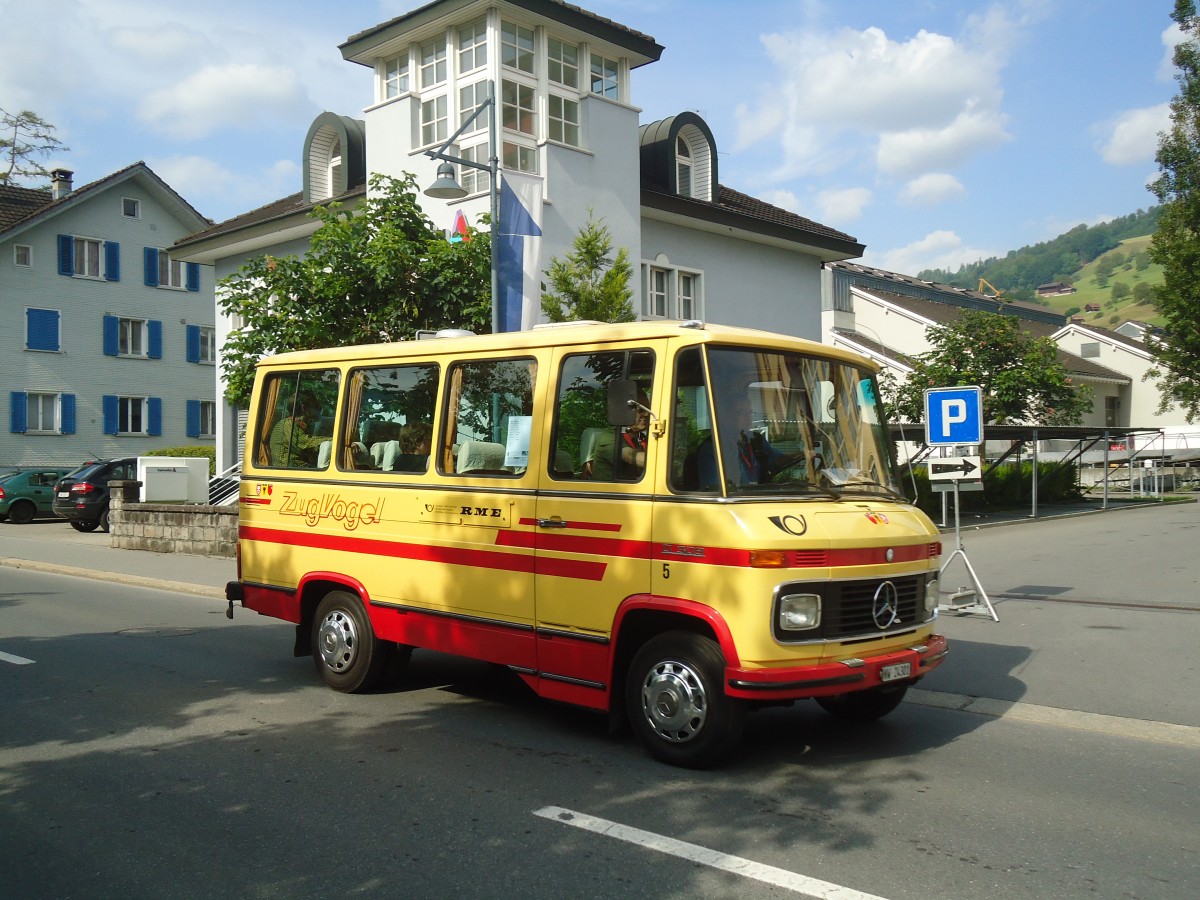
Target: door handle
x=552 y=523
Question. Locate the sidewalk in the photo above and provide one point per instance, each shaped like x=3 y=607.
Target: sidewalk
x=54 y=546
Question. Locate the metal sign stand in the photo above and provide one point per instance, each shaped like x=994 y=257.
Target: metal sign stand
x=966 y=600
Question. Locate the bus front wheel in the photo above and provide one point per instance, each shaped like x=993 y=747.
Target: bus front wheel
x=345 y=650
x=676 y=700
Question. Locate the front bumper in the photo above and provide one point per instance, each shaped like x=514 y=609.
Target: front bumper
x=829 y=679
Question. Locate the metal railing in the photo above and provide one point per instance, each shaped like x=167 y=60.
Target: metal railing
x=224 y=487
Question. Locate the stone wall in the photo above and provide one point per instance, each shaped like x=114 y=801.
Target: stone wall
x=169 y=527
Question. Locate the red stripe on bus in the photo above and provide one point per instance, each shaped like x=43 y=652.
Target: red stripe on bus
x=457 y=556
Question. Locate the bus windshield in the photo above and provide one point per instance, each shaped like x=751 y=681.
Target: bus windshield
x=790 y=423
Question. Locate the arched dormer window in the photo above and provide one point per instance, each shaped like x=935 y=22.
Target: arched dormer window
x=334 y=157
x=693 y=163
x=683 y=167
x=679 y=156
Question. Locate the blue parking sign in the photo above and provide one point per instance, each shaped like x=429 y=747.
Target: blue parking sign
x=953 y=416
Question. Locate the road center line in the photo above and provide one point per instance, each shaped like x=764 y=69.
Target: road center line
x=15 y=660
x=746 y=868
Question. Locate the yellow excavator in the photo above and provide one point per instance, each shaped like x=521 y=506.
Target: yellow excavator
x=996 y=292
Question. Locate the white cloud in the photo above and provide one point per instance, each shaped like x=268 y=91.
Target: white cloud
x=929 y=103
x=240 y=95
x=937 y=250
x=194 y=176
x=932 y=190
x=841 y=207
x=1171 y=37
x=1133 y=136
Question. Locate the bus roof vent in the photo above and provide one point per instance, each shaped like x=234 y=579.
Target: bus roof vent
x=692 y=323
x=446 y=333
x=544 y=325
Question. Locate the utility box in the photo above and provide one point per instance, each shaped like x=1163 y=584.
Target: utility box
x=173 y=479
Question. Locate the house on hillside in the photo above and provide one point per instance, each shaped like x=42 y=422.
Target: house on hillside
x=109 y=337
x=569 y=133
x=1055 y=289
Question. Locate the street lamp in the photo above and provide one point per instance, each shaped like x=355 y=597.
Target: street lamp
x=446 y=187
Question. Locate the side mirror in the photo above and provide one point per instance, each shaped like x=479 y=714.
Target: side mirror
x=622 y=403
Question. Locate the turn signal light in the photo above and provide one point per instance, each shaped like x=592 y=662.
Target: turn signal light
x=768 y=559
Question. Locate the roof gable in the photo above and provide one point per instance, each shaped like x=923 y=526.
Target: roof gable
x=33 y=214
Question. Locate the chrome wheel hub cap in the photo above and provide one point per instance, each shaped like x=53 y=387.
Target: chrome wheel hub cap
x=674 y=702
x=337 y=640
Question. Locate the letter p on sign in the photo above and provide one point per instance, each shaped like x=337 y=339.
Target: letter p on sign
x=954 y=412
x=953 y=416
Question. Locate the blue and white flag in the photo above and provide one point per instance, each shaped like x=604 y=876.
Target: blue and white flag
x=520 y=237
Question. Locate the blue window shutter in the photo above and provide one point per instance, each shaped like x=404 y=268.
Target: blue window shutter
x=193 y=418
x=110 y=410
x=193 y=343
x=150 y=256
x=67 y=410
x=17 y=401
x=66 y=255
x=154 y=333
x=112 y=340
x=193 y=276
x=112 y=261
x=41 y=329
x=154 y=405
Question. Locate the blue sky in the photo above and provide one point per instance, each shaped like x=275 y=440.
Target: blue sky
x=936 y=132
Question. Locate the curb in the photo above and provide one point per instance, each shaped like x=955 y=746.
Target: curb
x=182 y=587
x=1050 y=517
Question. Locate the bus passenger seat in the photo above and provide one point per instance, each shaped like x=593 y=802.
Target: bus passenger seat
x=481 y=456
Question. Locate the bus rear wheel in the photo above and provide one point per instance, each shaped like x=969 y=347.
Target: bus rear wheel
x=864 y=706
x=345 y=650
x=676 y=701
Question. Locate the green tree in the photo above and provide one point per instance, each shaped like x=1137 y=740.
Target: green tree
x=375 y=273
x=1120 y=290
x=1022 y=380
x=590 y=283
x=1143 y=292
x=24 y=137
x=1176 y=243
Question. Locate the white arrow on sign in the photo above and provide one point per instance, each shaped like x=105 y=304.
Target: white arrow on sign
x=955 y=468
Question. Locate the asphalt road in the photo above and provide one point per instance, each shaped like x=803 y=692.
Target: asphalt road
x=151 y=748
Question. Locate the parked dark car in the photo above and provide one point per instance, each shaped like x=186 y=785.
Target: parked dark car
x=82 y=497
x=26 y=495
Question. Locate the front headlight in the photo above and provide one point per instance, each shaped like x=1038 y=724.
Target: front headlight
x=799 y=612
x=931 y=596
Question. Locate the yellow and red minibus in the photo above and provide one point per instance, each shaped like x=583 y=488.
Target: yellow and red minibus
x=670 y=522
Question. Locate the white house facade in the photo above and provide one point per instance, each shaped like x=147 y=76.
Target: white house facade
x=109 y=339
x=566 y=121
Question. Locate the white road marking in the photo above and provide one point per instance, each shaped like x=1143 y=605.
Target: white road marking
x=812 y=887
x=1116 y=726
x=15 y=660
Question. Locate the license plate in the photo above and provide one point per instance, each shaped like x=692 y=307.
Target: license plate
x=894 y=672
x=63 y=495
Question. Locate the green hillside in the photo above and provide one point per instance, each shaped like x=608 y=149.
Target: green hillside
x=1134 y=268
x=1108 y=264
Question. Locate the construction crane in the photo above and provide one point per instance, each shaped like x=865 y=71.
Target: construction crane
x=996 y=292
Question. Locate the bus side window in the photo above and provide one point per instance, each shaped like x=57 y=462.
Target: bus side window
x=489 y=417
x=691 y=427
x=392 y=410
x=585 y=444
x=295 y=424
